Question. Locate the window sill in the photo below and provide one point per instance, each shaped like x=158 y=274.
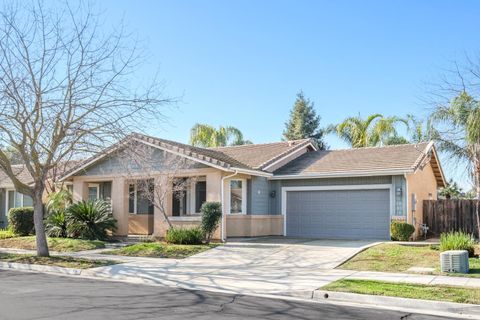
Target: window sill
x=186 y=218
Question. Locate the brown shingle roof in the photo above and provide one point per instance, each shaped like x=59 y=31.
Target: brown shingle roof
x=259 y=156
x=20 y=172
x=251 y=157
x=377 y=159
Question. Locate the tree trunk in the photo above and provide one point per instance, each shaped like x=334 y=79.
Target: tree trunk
x=477 y=203
x=38 y=210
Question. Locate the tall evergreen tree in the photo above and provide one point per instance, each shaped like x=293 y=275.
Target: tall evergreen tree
x=304 y=122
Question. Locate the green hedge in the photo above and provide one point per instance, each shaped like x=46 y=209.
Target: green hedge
x=20 y=221
x=184 y=236
x=401 y=231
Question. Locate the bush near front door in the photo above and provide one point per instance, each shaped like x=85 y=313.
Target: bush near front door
x=401 y=231
x=211 y=215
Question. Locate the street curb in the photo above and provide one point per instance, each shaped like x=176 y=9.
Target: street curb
x=436 y=307
x=40 y=268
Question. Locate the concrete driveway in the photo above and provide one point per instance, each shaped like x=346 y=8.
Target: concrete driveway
x=266 y=266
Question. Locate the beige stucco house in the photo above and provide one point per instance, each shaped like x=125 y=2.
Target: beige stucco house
x=285 y=188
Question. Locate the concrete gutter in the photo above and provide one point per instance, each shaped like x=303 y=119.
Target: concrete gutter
x=40 y=268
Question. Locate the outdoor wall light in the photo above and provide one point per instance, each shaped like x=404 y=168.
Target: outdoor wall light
x=399 y=191
x=273 y=194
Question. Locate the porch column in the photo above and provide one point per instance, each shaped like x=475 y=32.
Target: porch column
x=120 y=205
x=214 y=183
x=80 y=190
x=162 y=195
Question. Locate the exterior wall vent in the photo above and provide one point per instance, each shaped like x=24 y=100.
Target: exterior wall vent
x=454 y=261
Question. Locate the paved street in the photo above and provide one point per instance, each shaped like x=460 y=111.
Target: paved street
x=38 y=296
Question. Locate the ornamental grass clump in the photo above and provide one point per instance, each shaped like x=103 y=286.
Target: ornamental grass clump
x=457 y=240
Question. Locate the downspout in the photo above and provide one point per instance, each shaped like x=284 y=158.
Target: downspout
x=407 y=196
x=223 y=207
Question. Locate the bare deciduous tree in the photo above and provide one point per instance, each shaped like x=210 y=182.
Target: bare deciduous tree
x=66 y=90
x=159 y=175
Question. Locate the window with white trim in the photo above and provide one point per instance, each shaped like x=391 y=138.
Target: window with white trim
x=138 y=201
x=15 y=199
x=93 y=191
x=238 y=196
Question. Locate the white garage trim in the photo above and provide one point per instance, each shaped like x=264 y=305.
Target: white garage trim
x=333 y=188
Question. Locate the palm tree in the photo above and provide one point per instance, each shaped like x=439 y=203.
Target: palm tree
x=369 y=132
x=457 y=131
x=451 y=190
x=418 y=130
x=204 y=135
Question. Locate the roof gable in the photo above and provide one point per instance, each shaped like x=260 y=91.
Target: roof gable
x=260 y=156
x=250 y=159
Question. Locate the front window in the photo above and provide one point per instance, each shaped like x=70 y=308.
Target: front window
x=93 y=191
x=140 y=199
x=16 y=199
x=238 y=192
x=200 y=194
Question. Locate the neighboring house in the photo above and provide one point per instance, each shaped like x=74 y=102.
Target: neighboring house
x=285 y=188
x=11 y=198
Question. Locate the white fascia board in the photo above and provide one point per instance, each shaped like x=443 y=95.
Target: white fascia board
x=342 y=174
x=185 y=156
x=251 y=172
x=92 y=161
x=99 y=157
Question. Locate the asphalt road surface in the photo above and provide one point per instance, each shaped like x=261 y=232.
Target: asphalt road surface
x=35 y=296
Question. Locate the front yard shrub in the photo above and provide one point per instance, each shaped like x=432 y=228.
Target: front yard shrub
x=21 y=220
x=56 y=219
x=90 y=220
x=184 y=236
x=457 y=240
x=211 y=215
x=7 y=233
x=401 y=231
x=56 y=224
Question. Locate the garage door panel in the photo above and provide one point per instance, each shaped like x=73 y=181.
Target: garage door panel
x=338 y=214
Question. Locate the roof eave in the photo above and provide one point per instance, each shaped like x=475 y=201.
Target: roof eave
x=251 y=172
x=342 y=174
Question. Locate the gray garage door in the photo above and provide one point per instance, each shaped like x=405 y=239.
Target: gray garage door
x=339 y=214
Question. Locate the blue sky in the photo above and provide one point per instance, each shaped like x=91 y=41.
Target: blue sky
x=241 y=63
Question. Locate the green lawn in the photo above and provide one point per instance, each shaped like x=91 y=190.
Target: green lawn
x=399 y=258
x=414 y=291
x=160 y=250
x=55 y=244
x=59 y=261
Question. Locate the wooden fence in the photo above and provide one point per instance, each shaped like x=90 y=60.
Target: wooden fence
x=450 y=215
